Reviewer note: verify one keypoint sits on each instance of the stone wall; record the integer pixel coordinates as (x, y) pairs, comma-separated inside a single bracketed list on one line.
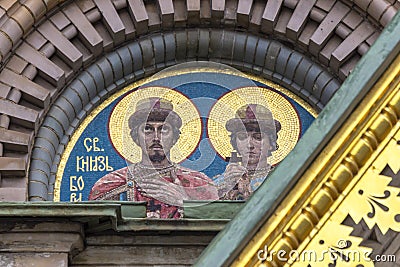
[(60, 59), (45, 45)]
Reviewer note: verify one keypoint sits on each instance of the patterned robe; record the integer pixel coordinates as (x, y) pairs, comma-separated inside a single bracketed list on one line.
[(121, 185)]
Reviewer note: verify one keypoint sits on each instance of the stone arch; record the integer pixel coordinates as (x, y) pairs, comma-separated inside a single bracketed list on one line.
[(123, 66), (45, 45)]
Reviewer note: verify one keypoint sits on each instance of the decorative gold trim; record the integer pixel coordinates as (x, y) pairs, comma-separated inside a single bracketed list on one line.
[(329, 179), (370, 198), (282, 110)]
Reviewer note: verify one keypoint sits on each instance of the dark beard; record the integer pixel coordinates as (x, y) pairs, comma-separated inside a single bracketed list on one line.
[(157, 157)]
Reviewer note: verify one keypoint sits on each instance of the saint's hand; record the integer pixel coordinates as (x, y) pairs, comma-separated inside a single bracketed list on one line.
[(172, 193), (233, 173)]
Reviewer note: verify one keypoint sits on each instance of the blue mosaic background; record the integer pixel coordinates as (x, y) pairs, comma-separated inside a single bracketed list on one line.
[(196, 86)]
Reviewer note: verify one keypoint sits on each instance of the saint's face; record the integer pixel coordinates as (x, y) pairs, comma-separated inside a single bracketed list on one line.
[(156, 139), (253, 146)]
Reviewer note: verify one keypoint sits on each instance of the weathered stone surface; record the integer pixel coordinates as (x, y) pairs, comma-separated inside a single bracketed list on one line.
[(140, 239), (24, 18), (216, 44), (4, 90), (116, 65), (7, 5), (5, 46), (166, 8), (19, 114), (17, 64), (308, 31), (180, 13), (282, 22), (136, 255), (126, 59), (89, 34), (12, 166), (12, 194), (327, 26), (282, 60), (261, 51), (299, 18), (204, 42), (36, 40), (217, 8), (130, 30), (294, 61), (256, 17), (180, 39), (50, 71), (32, 243), (70, 54), (139, 15), (34, 259), (227, 43), (205, 11), (155, 17), (38, 9), (388, 15), (272, 54), (193, 11), (108, 43), (147, 53), (347, 47), (159, 50), (325, 4), (112, 21), (230, 12), (60, 20), (32, 91), (14, 140), (326, 53), (352, 19), (329, 91), (12, 30), (243, 12)]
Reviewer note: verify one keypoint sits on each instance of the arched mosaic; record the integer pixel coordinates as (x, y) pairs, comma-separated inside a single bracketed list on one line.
[(40, 61), (100, 146), (62, 60)]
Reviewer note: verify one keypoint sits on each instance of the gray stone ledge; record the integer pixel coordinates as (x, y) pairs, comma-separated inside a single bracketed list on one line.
[(136, 53), (321, 82), (107, 72), (116, 65), (126, 59), (37, 190), (59, 115), (74, 98), (44, 143), (81, 90), (42, 154), (87, 80), (329, 91), (251, 48), (293, 63)]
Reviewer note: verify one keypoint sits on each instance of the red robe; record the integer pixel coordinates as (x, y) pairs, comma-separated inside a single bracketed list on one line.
[(117, 186)]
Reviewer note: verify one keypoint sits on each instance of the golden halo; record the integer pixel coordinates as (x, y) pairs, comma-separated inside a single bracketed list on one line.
[(120, 133), (282, 110)]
